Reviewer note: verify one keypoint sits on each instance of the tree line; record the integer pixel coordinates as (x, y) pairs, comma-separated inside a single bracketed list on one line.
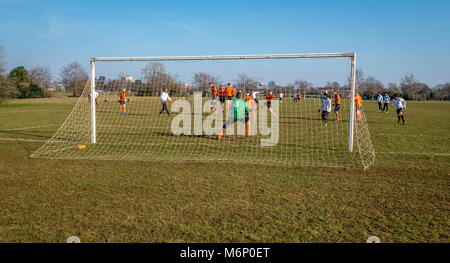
[(37, 82)]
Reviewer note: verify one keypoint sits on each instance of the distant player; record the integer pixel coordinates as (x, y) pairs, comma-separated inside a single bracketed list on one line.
[(325, 108), (269, 99), (380, 101), (400, 105), (240, 112), (164, 98), (281, 96), (358, 106), (214, 93), (255, 98), (251, 104), (386, 100), (122, 101), (230, 92), (298, 96), (337, 104), (95, 97), (222, 96)]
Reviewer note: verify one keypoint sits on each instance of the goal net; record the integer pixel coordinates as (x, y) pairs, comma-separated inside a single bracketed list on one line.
[(123, 112)]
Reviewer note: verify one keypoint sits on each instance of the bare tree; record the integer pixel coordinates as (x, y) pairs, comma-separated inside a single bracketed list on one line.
[(74, 77), (202, 80), (2, 63), (245, 82), (359, 79), (370, 87), (42, 78), (7, 89), (156, 79), (152, 71)]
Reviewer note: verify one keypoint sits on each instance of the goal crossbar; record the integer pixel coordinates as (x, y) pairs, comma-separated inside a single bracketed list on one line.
[(226, 57)]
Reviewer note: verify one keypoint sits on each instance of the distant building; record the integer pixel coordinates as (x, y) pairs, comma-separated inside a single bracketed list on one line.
[(129, 79), (61, 87)]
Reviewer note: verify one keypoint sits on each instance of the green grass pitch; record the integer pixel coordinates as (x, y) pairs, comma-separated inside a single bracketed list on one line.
[(402, 198)]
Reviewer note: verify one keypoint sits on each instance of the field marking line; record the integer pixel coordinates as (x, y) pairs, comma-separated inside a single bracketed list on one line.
[(24, 111), (24, 140), (29, 128), (419, 153)]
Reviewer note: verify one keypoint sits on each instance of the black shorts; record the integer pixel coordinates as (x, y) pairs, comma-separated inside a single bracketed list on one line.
[(324, 114), (399, 111), (337, 107), (269, 104), (122, 102), (222, 99), (229, 98)]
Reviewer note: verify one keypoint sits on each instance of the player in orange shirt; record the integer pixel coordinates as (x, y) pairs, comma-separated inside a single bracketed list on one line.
[(214, 93), (122, 101), (337, 104), (229, 92), (251, 104), (222, 96), (298, 96), (358, 105), (269, 99)]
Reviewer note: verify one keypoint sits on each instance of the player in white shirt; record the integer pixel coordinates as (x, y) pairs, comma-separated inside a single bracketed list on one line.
[(164, 98), (281, 96), (325, 108), (95, 97), (386, 100), (255, 98), (380, 101), (400, 105)]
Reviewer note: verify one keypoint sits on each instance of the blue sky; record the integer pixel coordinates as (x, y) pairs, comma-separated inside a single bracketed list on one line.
[(391, 37)]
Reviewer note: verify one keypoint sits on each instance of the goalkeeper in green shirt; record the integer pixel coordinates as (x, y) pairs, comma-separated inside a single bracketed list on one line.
[(240, 113)]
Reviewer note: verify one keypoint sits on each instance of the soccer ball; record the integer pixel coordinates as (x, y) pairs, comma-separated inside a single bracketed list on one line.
[(261, 84)]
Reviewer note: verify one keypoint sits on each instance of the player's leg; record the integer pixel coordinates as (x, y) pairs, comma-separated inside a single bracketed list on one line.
[(358, 113), (247, 125), (324, 117), (229, 122), (162, 109), (166, 108), (336, 111)]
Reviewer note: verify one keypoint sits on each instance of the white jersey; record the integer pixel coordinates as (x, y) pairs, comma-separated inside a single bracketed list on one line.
[(326, 105), (164, 97), (254, 94), (380, 98), (95, 95), (386, 99), (281, 95), (400, 103)]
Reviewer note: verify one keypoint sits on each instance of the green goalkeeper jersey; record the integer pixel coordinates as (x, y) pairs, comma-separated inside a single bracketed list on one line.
[(239, 108)]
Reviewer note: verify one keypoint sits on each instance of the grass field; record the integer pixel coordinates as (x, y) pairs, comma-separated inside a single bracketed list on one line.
[(404, 197)]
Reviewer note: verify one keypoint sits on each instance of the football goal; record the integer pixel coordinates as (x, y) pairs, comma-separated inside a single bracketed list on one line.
[(290, 109)]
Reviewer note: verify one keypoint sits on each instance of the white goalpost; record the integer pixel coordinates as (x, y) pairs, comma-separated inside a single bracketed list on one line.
[(141, 132)]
